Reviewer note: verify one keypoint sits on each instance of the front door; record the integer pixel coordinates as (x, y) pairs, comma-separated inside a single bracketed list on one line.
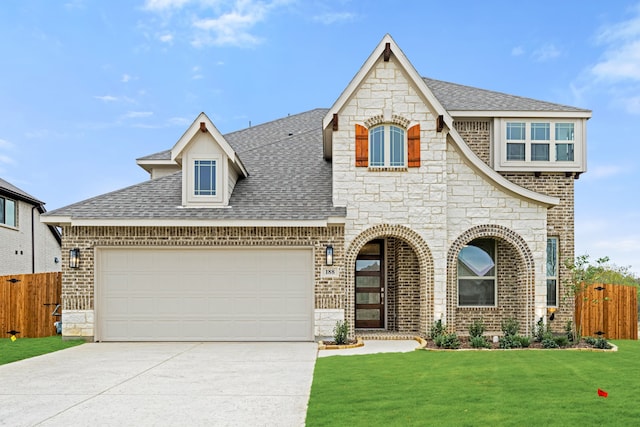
[(370, 285)]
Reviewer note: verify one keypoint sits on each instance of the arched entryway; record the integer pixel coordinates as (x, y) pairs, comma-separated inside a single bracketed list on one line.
[(389, 281), (492, 279)]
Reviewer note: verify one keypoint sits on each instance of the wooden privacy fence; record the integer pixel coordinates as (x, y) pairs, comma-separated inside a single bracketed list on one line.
[(26, 304), (610, 311)]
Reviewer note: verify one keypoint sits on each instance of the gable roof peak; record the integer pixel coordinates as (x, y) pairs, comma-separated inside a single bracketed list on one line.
[(203, 123)]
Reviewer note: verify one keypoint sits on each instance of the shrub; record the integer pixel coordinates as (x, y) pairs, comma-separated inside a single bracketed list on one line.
[(477, 328), (561, 340), (449, 341), (539, 329), (340, 332), (480, 342), (510, 341), (602, 343), (524, 341), (590, 340), (568, 328), (549, 343), (510, 327), (437, 329)]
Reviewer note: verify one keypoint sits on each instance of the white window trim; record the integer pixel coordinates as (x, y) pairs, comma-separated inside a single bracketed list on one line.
[(204, 200), (15, 213), (556, 277), (579, 147), (494, 277), (387, 146)]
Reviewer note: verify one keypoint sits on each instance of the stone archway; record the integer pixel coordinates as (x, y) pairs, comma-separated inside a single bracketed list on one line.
[(418, 247), (521, 280)]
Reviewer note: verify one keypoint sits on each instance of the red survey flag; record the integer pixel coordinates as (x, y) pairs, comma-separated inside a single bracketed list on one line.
[(602, 393)]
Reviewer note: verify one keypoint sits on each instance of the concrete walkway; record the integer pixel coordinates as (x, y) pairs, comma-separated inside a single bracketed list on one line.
[(168, 384)]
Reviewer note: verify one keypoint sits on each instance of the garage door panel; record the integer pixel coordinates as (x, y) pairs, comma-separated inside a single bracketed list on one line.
[(204, 294)]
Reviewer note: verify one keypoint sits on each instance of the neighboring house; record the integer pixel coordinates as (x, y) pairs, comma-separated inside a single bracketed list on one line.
[(26, 245), (408, 201)]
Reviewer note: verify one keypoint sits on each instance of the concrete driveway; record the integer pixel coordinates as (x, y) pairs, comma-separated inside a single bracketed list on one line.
[(169, 384)]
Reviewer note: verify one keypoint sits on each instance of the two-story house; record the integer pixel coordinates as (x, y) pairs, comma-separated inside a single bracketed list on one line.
[(26, 245), (408, 201)]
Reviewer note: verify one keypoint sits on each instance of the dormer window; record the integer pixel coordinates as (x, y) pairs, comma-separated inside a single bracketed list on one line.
[(205, 178), (205, 183)]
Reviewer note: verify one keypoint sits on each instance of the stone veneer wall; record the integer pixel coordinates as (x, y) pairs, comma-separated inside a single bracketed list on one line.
[(78, 284)]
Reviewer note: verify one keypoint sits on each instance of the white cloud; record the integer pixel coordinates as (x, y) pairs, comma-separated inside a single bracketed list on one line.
[(517, 51), (5, 159), (107, 98), (335, 17), (5, 144), (231, 28), (621, 62), (161, 5), (166, 38), (179, 121), (197, 74), (111, 98), (605, 171), (45, 134), (210, 22), (137, 114), (546, 53), (125, 78), (617, 72)]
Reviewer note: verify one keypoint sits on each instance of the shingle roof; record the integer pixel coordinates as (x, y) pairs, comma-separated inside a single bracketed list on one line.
[(456, 97), (288, 180), (288, 177), (10, 189)]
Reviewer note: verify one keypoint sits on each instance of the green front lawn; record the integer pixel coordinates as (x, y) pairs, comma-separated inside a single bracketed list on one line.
[(23, 348), (478, 388)]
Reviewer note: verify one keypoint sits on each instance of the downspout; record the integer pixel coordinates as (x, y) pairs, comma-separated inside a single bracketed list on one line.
[(33, 242)]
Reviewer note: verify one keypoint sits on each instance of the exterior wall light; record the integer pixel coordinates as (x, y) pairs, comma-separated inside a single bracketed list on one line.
[(329, 255), (74, 258)]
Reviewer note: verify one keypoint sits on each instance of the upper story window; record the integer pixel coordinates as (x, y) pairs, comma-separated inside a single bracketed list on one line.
[(387, 146), (7, 212), (540, 141), (205, 178), (540, 145)]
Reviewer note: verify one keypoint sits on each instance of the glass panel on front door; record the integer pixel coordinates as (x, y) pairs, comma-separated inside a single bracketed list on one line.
[(369, 277)]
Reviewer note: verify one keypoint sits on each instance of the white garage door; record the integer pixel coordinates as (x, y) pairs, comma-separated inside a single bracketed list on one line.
[(204, 294)]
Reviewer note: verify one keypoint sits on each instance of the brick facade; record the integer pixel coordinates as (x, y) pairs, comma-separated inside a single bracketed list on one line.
[(560, 218), (78, 284), (425, 213)]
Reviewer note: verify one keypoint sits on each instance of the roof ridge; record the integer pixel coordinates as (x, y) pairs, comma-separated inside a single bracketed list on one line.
[(277, 141), (275, 120)]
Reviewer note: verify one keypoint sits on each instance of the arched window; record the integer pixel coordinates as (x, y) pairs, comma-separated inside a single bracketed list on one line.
[(477, 274), (387, 146)]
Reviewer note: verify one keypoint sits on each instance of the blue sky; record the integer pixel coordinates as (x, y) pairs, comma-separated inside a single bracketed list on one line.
[(87, 87)]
